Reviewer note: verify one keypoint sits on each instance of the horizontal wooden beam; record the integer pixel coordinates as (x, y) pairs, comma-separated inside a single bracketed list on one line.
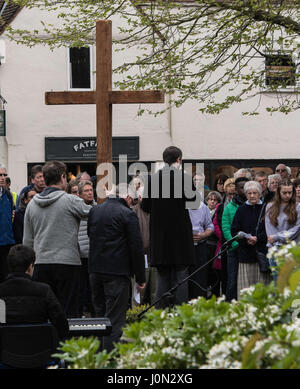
[(114, 97), (136, 97), (57, 98)]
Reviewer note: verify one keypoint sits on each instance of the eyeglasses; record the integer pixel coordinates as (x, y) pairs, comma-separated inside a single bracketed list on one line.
[(280, 170), (3, 174)]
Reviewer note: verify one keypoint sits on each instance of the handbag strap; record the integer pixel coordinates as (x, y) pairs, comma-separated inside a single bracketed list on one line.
[(259, 217)]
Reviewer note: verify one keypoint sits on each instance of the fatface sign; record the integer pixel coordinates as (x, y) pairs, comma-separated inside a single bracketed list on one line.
[(85, 148)]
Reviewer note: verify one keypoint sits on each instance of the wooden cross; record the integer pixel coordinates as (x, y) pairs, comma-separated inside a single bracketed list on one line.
[(104, 96)]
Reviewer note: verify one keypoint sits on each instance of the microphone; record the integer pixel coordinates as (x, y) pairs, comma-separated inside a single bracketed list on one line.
[(242, 234), (239, 235)]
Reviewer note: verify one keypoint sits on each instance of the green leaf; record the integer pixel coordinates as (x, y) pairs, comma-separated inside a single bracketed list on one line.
[(294, 280), (284, 275)]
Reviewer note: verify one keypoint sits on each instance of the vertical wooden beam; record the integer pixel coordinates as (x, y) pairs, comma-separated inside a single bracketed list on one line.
[(103, 86)]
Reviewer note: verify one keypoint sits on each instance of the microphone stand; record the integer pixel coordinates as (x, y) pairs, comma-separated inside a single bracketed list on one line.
[(169, 293)]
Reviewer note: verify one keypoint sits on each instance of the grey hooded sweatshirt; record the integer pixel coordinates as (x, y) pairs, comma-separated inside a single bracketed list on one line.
[(51, 226)]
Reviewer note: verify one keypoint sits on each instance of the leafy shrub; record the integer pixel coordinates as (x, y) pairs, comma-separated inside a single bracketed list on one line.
[(132, 314), (259, 331)]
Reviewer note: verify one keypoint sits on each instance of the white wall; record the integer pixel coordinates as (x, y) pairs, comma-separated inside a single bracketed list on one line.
[(24, 79), (28, 73)]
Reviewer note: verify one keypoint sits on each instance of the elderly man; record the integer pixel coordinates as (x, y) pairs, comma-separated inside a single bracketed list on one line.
[(51, 227), (243, 172), (283, 170), (262, 178), (84, 176), (116, 254), (6, 231)]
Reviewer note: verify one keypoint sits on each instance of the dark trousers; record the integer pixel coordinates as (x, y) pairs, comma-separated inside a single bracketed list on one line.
[(65, 283), (232, 273), (111, 292), (224, 273), (199, 281), (4, 250), (167, 277), (148, 294), (214, 276), (85, 305)]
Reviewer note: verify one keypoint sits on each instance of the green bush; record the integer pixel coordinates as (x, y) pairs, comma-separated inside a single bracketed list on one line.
[(132, 314), (259, 331)]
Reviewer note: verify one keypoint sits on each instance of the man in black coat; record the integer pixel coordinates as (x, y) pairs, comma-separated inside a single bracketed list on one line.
[(28, 301), (171, 236), (116, 254)]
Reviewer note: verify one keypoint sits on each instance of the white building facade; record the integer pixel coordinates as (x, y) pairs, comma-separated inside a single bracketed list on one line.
[(227, 139)]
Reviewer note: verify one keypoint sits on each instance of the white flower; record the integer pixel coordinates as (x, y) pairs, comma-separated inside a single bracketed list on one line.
[(83, 353), (286, 292), (249, 290), (258, 345), (193, 301), (296, 343), (220, 299), (161, 341), (276, 352), (296, 42)]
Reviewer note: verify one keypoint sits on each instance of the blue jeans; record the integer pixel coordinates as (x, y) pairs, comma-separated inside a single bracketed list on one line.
[(232, 272)]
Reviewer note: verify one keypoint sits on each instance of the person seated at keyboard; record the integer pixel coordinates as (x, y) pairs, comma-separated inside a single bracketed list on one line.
[(28, 301)]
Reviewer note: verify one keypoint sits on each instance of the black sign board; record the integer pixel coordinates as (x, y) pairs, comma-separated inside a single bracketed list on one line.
[(80, 149), (2, 123)]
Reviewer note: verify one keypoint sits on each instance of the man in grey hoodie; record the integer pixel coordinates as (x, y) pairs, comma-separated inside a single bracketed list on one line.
[(51, 228)]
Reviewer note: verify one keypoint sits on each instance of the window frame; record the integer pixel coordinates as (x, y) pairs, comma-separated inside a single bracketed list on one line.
[(288, 88), (91, 71)]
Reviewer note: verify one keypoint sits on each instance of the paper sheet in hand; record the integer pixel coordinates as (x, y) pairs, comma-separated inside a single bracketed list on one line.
[(137, 295)]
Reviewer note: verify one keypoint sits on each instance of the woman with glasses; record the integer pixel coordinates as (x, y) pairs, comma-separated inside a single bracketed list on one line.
[(219, 184), (273, 182)]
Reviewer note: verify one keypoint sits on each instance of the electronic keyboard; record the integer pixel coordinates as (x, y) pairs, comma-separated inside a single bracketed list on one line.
[(89, 326)]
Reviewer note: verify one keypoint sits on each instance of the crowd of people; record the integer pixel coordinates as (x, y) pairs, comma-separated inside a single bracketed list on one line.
[(95, 258)]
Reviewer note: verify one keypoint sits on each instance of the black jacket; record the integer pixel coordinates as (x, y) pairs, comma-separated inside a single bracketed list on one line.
[(28, 301), (245, 220), (268, 196), (116, 246), (18, 225), (171, 233)]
